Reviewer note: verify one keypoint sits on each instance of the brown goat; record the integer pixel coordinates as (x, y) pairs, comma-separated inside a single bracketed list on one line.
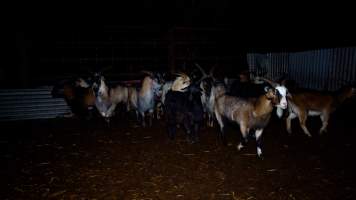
[(314, 103), (78, 95), (252, 113), (108, 98)]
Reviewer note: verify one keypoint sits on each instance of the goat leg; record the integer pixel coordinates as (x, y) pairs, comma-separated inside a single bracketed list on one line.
[(188, 128), (110, 111), (107, 120), (258, 134), (221, 124), (150, 117), (143, 121), (158, 110), (211, 119), (244, 135), (289, 122), (137, 114), (172, 129), (302, 121), (196, 131), (324, 119)]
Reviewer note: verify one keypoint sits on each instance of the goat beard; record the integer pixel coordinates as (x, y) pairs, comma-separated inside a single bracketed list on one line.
[(279, 112)]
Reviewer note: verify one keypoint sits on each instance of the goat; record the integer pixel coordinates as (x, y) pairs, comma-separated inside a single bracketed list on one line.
[(183, 106), (179, 84), (160, 105), (206, 87), (315, 103), (217, 89), (165, 88), (108, 98), (132, 99), (146, 96), (249, 113), (78, 95), (207, 82), (141, 100)]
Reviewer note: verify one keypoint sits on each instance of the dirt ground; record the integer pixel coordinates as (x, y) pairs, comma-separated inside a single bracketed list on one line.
[(78, 159)]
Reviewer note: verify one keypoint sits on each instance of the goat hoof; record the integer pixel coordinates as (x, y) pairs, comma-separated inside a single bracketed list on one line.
[(189, 139), (239, 147), (192, 142), (260, 157), (195, 140), (289, 132), (107, 120)]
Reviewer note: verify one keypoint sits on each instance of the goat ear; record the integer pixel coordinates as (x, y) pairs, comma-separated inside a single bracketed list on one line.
[(267, 88), (289, 95), (269, 92)]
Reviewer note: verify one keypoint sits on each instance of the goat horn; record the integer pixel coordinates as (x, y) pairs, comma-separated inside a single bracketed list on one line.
[(204, 73), (211, 73), (272, 83), (202, 78), (180, 74), (147, 72), (201, 69)]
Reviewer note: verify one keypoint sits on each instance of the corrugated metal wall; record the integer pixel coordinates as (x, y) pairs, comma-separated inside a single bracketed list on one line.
[(21, 104), (324, 69)]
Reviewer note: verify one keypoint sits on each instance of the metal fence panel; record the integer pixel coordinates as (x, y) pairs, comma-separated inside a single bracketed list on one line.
[(22, 104), (323, 69)]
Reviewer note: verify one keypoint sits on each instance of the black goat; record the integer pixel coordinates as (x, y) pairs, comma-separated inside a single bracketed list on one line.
[(184, 108)]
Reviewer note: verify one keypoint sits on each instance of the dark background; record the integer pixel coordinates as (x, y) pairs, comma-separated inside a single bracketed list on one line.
[(49, 42)]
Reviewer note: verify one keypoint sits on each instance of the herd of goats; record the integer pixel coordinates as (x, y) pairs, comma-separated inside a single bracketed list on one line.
[(188, 100)]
